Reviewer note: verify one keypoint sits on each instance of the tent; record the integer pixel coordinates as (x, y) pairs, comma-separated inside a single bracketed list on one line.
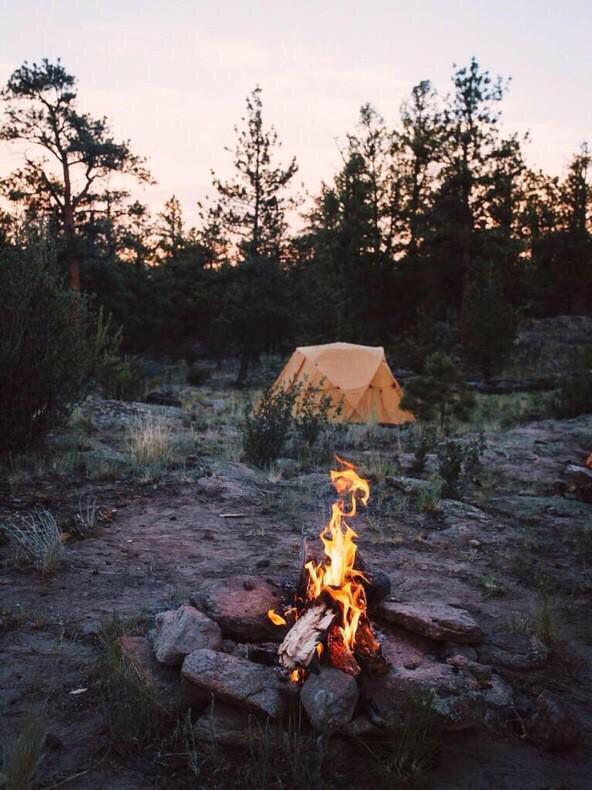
[(357, 376)]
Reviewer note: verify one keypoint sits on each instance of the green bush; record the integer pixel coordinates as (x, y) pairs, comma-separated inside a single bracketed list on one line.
[(575, 395), (315, 411), (197, 375), (457, 460), (119, 377), (45, 354), (423, 442), (267, 425), (439, 393)]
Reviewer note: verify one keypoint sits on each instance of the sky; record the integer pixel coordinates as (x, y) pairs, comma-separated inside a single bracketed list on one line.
[(173, 76)]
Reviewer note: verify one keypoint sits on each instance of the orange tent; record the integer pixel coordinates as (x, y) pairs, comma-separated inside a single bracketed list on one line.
[(356, 376)]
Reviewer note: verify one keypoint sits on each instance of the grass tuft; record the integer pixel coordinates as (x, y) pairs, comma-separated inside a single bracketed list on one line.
[(20, 756), (37, 537)]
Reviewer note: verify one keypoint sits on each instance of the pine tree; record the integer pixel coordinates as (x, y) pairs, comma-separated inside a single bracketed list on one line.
[(439, 392), (488, 321), (40, 110)]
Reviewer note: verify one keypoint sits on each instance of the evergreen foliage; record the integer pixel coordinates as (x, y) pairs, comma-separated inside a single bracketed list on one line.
[(439, 392), (45, 351)]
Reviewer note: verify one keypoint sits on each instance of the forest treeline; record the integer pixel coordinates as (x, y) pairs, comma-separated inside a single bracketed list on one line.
[(437, 218)]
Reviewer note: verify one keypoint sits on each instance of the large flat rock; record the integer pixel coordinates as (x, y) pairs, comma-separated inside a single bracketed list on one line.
[(236, 681), (434, 620), (239, 604), (416, 676)]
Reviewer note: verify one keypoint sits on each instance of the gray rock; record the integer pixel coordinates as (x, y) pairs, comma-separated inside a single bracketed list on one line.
[(554, 725), (240, 604), (223, 725), (514, 651), (499, 699), (235, 681), (415, 676), (329, 698), (180, 631), (435, 620)]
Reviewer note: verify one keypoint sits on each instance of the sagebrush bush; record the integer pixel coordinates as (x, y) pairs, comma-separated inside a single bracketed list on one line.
[(457, 459), (266, 426), (45, 352)]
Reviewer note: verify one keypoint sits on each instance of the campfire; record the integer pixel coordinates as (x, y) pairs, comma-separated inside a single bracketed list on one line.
[(330, 612)]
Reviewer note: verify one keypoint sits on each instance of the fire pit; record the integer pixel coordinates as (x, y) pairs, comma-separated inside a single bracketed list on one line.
[(330, 612), (329, 642)]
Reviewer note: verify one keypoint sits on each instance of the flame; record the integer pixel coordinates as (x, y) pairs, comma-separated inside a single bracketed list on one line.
[(336, 575), (275, 618)]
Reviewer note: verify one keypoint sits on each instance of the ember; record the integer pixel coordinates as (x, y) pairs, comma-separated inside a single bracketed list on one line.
[(333, 607)]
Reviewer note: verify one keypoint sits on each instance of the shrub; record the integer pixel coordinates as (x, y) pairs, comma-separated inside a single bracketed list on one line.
[(197, 375), (119, 377), (423, 442), (439, 392), (429, 497), (457, 460), (267, 425), (575, 394), (37, 535), (45, 354), (315, 411)]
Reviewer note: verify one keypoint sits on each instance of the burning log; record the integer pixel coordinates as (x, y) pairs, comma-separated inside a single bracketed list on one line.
[(340, 656), (300, 644), (368, 651)]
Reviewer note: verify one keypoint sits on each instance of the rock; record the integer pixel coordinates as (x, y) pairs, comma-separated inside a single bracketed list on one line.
[(223, 725), (499, 701), (452, 649), (554, 725), (180, 631), (514, 651), (415, 676), (329, 698), (162, 398), (435, 620), (361, 726), (138, 650), (240, 604), (480, 672), (235, 681)]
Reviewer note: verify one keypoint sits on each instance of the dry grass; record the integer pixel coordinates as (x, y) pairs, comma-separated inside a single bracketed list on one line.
[(150, 444), (36, 537), (21, 755)]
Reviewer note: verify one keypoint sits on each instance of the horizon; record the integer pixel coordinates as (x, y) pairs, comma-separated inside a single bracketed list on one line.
[(155, 78)]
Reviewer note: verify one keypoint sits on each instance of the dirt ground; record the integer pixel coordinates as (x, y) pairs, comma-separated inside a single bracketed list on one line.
[(487, 552)]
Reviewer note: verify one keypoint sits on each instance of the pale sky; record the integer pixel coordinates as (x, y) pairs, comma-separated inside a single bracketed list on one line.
[(173, 76)]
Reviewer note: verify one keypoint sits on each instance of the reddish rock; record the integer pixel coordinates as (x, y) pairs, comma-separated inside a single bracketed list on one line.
[(240, 604), (329, 698), (554, 725), (180, 631), (437, 621), (236, 681), (414, 676)]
